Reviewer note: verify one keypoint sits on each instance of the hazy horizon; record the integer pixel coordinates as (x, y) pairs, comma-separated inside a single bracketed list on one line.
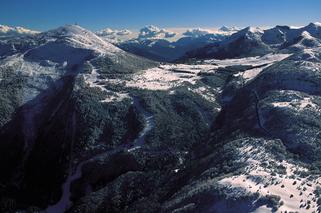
[(125, 14)]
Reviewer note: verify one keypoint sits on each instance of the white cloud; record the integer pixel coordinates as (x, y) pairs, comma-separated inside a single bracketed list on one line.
[(124, 32), (154, 32), (10, 31), (110, 32), (229, 29), (196, 32)]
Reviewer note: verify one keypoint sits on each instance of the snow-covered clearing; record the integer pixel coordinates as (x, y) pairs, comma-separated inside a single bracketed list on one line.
[(164, 77), (168, 76), (254, 61), (92, 78)]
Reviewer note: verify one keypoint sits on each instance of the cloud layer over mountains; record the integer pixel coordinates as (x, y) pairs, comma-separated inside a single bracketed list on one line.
[(196, 32), (150, 32), (111, 32)]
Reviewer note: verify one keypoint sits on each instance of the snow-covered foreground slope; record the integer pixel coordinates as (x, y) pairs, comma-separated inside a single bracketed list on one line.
[(266, 175)]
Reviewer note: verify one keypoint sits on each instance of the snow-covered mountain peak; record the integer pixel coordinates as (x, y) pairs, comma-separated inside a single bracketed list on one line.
[(255, 30), (317, 24), (248, 32), (72, 31), (82, 38), (306, 35), (308, 41), (69, 29), (224, 28), (313, 26)]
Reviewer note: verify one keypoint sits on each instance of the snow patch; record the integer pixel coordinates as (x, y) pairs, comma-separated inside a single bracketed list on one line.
[(297, 104), (206, 92)]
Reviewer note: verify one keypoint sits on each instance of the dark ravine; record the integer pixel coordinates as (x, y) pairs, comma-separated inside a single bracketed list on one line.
[(148, 126), (65, 203)]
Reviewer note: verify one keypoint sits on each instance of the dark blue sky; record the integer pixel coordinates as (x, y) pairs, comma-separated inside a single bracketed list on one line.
[(97, 14)]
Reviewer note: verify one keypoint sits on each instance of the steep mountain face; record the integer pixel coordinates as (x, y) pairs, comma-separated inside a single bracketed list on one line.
[(305, 42), (88, 127), (314, 29), (277, 35), (246, 42)]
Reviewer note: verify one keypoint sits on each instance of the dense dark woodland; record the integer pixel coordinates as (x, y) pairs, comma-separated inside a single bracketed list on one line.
[(64, 149)]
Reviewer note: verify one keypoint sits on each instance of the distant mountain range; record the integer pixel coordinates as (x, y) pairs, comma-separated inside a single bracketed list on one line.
[(161, 44), (161, 49), (255, 42), (223, 43)]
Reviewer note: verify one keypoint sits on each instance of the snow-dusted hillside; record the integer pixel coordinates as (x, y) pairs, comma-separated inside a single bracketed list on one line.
[(79, 37)]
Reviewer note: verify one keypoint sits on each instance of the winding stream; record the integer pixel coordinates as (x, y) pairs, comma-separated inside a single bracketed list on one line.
[(64, 203)]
